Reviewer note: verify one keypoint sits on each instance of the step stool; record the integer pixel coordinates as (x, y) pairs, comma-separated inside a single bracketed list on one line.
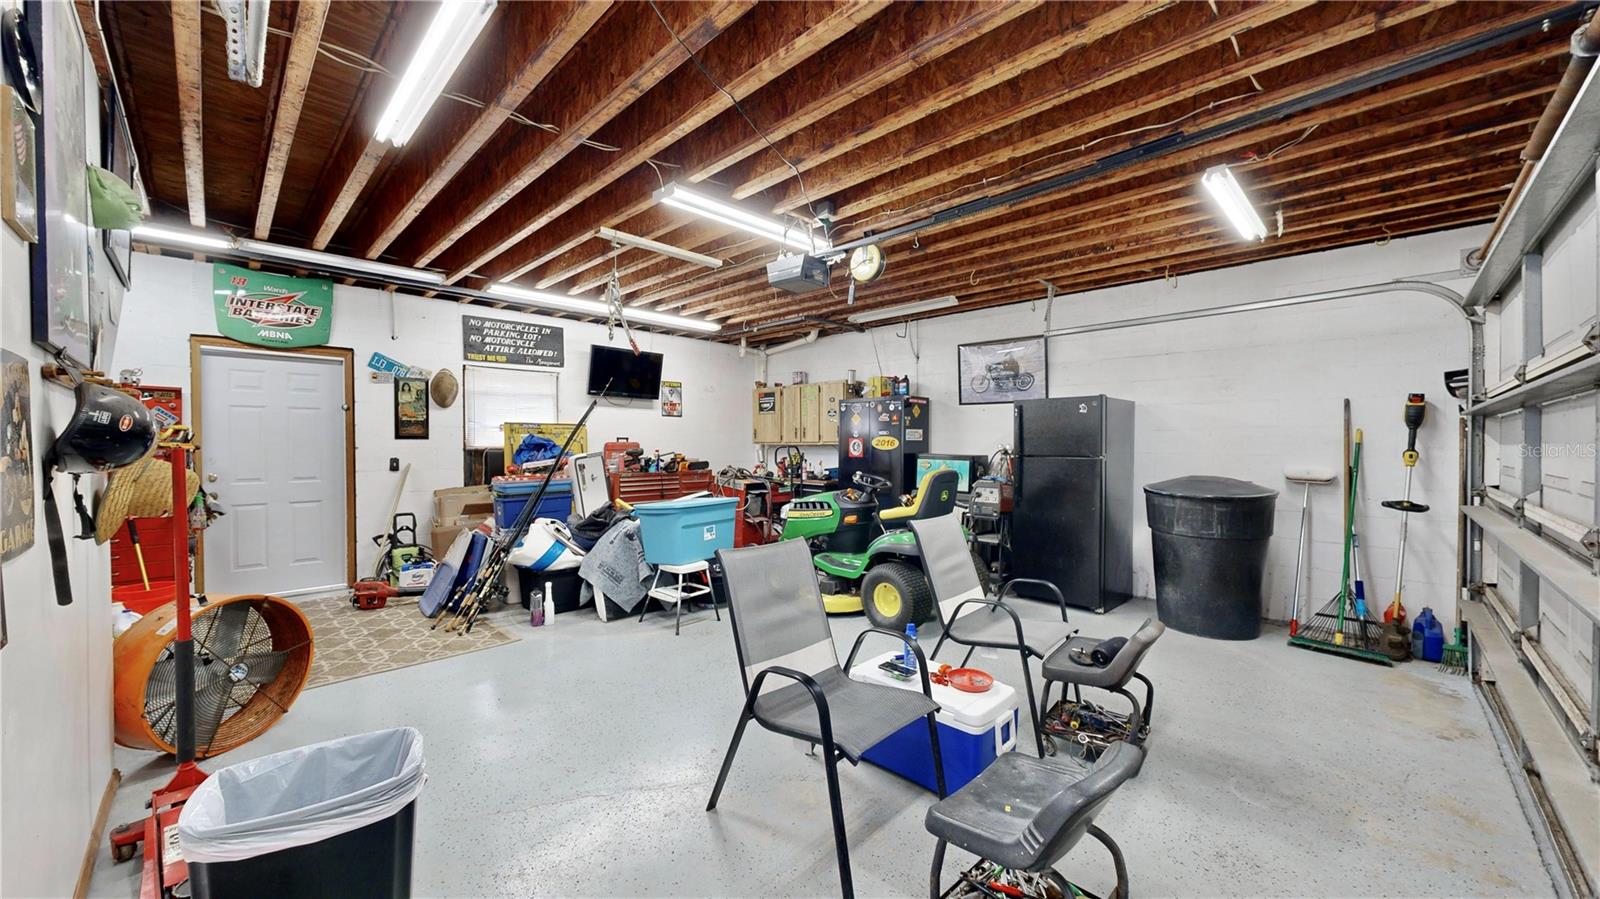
[(680, 592)]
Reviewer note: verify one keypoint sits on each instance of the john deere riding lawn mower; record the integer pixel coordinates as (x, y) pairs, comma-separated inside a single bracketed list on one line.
[(865, 555)]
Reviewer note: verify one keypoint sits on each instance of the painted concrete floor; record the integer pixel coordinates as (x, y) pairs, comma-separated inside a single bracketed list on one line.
[(577, 762)]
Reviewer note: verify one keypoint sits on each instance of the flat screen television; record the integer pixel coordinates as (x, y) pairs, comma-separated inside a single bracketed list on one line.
[(632, 377), (967, 468)]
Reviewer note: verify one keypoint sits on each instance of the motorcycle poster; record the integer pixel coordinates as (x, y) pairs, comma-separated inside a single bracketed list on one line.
[(1002, 371)]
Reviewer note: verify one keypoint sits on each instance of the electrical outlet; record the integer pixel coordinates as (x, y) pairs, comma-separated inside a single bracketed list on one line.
[(394, 463)]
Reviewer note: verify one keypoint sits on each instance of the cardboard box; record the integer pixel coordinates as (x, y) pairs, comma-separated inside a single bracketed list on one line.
[(451, 503)]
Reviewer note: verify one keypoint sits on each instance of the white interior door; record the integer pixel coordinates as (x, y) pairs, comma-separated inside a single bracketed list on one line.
[(273, 438)]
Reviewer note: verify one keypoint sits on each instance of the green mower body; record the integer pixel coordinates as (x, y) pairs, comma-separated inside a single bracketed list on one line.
[(863, 562)]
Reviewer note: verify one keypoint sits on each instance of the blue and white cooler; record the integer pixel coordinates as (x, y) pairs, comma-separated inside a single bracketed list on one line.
[(974, 729)]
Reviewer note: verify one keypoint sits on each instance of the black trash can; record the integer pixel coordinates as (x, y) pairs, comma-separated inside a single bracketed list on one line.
[(330, 820), (1209, 536)]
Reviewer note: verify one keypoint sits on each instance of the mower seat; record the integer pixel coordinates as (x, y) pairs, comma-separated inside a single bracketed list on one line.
[(935, 496)]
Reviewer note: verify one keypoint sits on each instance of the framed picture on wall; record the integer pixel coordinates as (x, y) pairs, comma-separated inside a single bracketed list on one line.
[(19, 197), (411, 408), (1002, 371), (117, 157)]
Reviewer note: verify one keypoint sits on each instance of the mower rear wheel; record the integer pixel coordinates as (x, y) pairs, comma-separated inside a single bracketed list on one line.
[(895, 594)]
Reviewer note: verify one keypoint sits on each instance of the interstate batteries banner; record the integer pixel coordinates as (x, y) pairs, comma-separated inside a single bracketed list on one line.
[(272, 310)]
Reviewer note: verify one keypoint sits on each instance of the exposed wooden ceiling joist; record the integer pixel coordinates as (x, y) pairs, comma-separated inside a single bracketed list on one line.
[(296, 77), (890, 110), (186, 57)]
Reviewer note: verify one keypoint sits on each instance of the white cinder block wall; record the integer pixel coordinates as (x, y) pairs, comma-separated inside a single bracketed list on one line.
[(171, 299), (1241, 396)]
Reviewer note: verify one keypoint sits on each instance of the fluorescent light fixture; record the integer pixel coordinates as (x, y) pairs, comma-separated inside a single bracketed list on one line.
[(878, 315), (317, 258), (450, 35), (656, 246), (794, 235), (596, 308), (1235, 205), (180, 237)]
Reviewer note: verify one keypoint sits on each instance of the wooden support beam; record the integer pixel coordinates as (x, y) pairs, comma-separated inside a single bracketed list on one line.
[(1089, 57), (1142, 258), (1349, 124), (894, 43), (311, 15), (526, 44), (354, 156), (759, 47), (1339, 42), (578, 98), (186, 55), (1122, 238)]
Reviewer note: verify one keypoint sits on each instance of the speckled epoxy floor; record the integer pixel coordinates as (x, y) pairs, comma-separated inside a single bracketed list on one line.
[(578, 760)]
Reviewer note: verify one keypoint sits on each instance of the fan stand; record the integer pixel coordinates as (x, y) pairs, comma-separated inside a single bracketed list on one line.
[(165, 871)]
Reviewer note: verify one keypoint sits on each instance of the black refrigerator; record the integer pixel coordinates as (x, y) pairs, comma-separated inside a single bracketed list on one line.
[(1072, 524), (883, 436)]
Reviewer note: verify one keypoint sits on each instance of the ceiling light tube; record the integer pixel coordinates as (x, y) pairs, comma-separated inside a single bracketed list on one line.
[(452, 32), (597, 308), (180, 237), (1235, 204), (877, 315), (272, 251), (656, 246), (795, 236)]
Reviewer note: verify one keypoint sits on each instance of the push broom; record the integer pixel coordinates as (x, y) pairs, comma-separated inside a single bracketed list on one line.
[(1339, 627)]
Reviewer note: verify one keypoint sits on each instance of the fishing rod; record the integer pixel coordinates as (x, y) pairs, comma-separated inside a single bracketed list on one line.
[(488, 579)]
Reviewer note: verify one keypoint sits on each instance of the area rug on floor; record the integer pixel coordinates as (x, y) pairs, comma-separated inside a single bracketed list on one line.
[(351, 643)]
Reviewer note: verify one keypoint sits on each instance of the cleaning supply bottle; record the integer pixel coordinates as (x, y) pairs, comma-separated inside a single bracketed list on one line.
[(1427, 637), (908, 658)]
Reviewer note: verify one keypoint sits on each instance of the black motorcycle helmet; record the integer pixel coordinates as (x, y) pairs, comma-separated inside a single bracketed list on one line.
[(109, 429)]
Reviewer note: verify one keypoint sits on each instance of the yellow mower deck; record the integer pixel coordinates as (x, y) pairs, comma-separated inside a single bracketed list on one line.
[(841, 603)]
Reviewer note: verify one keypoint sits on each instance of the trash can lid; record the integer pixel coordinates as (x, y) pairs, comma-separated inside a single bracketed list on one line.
[(1210, 487)]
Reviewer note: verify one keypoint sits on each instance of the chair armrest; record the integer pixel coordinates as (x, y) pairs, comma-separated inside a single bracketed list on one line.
[(1017, 622), (824, 721), (922, 662), (1060, 600)]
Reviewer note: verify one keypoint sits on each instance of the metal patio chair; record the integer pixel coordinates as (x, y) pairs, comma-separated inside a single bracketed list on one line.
[(1024, 813), (781, 631), (971, 618)]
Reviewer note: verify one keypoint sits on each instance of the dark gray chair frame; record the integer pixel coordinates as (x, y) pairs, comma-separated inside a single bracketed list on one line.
[(1141, 715), (1020, 644), (1045, 834), (831, 753)]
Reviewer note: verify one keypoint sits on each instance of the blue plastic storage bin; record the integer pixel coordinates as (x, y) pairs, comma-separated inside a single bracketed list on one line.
[(680, 531), (974, 729), (511, 496)]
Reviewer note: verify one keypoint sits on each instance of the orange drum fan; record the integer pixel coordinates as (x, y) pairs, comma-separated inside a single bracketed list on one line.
[(251, 657)]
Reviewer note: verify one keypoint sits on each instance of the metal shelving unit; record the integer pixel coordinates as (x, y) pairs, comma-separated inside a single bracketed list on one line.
[(1533, 700)]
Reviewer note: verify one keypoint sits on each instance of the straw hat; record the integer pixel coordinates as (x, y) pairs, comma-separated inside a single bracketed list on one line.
[(444, 388), (142, 490)]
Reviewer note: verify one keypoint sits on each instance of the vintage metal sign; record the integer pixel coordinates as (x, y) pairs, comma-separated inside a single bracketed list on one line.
[(511, 342), (272, 310)]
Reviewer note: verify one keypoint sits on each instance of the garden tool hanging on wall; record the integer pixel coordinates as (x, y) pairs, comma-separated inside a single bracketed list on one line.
[(1416, 411)]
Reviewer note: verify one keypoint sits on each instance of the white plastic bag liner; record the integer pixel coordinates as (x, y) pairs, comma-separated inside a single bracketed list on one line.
[(301, 796), (547, 546)]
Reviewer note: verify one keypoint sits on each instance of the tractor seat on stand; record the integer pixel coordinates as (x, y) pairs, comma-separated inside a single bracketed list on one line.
[(935, 496)]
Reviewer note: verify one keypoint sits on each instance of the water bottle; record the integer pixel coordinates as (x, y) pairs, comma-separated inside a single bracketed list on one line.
[(909, 657)]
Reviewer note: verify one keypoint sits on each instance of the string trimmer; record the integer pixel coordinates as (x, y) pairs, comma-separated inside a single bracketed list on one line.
[(1416, 411)]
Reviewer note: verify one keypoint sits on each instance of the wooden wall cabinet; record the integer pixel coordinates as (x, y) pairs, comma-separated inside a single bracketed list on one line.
[(801, 414)]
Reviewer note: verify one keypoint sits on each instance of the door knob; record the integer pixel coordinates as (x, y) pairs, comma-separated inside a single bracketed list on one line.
[(211, 478)]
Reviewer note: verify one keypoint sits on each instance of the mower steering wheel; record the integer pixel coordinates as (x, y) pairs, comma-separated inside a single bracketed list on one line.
[(872, 482)]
